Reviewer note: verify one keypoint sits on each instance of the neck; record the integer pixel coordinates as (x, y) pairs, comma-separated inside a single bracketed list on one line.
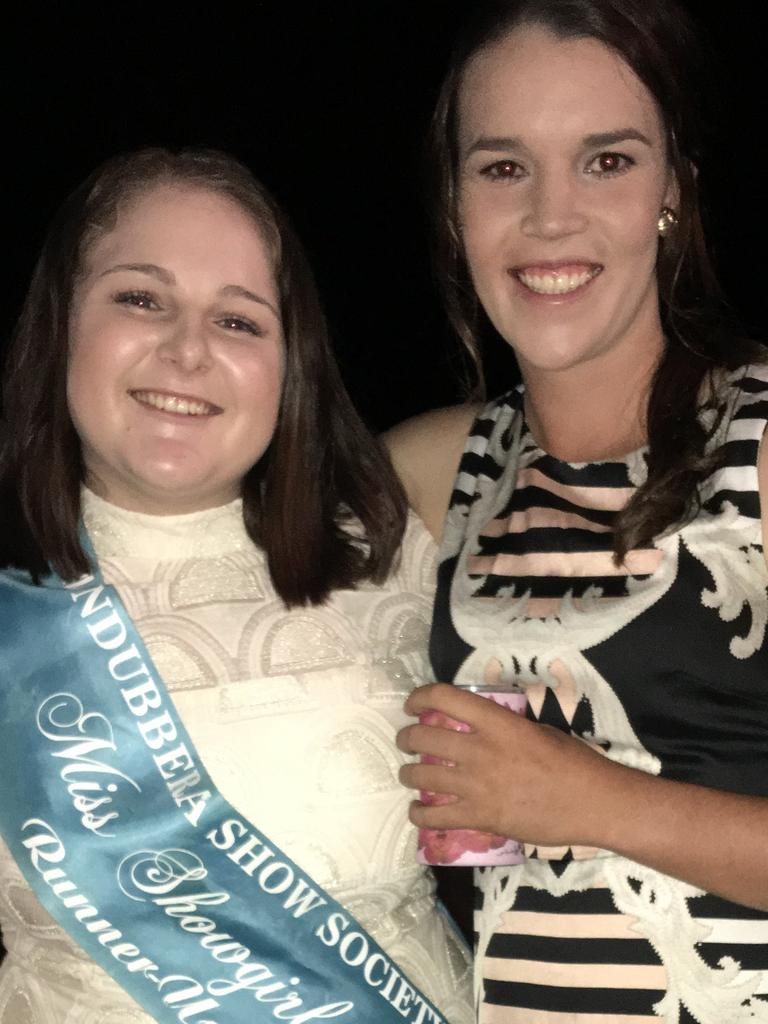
[(587, 414), (156, 502)]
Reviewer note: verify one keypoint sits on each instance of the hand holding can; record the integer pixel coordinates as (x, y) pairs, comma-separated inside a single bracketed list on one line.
[(462, 847)]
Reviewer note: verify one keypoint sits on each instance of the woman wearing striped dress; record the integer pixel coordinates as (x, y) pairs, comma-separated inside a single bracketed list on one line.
[(603, 543)]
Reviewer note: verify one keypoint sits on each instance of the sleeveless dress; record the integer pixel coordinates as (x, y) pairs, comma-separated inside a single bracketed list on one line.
[(294, 715), (662, 663)]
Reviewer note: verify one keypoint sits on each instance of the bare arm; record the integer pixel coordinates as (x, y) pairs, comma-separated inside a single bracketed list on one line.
[(519, 778), (425, 452), (526, 780)]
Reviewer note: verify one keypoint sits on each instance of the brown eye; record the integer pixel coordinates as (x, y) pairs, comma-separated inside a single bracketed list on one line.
[(501, 170), (609, 164), (239, 323), (139, 299)]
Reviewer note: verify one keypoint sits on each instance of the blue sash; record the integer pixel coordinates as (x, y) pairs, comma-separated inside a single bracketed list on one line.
[(126, 841)]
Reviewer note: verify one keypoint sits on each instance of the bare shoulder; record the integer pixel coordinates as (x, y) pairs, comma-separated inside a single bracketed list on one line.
[(425, 452)]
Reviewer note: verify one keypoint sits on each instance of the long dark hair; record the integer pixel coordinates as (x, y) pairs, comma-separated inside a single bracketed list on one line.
[(656, 39), (322, 467)]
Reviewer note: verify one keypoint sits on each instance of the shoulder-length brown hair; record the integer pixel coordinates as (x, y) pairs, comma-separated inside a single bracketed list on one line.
[(656, 40), (322, 467)]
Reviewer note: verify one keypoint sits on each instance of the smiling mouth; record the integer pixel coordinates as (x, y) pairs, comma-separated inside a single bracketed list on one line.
[(182, 405), (556, 280)]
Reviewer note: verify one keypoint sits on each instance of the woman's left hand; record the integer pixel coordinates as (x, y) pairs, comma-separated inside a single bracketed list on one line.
[(507, 775)]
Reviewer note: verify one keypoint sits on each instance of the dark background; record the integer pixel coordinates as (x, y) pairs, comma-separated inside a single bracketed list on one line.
[(328, 104)]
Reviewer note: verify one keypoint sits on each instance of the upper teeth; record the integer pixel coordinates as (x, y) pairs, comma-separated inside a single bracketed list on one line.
[(170, 403), (555, 283)]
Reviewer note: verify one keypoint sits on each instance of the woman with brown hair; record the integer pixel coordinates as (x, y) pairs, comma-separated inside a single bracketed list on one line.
[(206, 631), (603, 541)]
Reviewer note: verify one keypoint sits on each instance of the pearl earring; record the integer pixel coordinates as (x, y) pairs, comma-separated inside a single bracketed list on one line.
[(667, 221)]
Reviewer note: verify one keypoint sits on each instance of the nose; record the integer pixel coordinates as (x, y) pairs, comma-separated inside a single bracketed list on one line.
[(554, 210), (186, 346)]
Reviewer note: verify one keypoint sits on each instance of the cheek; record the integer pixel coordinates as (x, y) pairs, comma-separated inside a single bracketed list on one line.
[(259, 380), (634, 217), (637, 240), (83, 378), (86, 402), (486, 226), (91, 349), (485, 265), (481, 221), (99, 357), (260, 389)]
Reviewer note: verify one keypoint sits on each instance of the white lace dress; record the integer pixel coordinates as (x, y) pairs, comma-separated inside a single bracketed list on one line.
[(294, 715)]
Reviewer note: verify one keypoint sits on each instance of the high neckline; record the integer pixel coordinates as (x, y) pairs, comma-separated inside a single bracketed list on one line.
[(118, 532)]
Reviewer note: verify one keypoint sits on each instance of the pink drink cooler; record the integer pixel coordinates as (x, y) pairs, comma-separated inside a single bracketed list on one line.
[(463, 847)]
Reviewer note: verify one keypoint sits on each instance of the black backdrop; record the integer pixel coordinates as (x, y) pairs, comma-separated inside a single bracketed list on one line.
[(328, 104)]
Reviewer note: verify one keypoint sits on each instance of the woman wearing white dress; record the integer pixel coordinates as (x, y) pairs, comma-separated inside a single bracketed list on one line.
[(171, 386)]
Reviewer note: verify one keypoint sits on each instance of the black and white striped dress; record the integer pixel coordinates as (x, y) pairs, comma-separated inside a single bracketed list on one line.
[(663, 662)]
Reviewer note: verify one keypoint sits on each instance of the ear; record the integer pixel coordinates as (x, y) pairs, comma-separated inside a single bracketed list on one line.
[(672, 195)]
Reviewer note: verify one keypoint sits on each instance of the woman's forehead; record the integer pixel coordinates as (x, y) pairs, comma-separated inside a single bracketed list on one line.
[(535, 83)]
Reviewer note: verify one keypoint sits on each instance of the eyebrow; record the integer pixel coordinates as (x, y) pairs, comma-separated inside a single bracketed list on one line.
[(143, 268), (168, 278), (611, 138), (497, 143), (243, 293)]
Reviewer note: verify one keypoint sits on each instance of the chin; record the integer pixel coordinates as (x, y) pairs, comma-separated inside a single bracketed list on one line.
[(552, 361)]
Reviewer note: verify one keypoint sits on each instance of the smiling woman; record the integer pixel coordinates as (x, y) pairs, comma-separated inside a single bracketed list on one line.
[(198, 525), (559, 229), (176, 365), (603, 530), (71, 362)]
